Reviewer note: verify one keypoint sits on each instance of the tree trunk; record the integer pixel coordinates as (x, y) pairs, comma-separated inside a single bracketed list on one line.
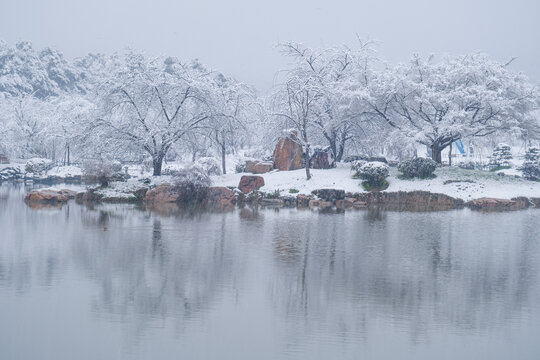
[(223, 158), (450, 155), (68, 156), (157, 162), (308, 174), (436, 153), (341, 150)]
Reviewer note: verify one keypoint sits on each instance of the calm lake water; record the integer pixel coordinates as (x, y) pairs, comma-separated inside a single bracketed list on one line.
[(121, 282)]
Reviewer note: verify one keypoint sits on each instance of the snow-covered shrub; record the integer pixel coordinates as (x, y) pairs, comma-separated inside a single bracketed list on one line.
[(240, 167), (191, 184), (356, 165), (209, 165), (38, 165), (532, 154), (374, 173), (501, 156), (417, 168), (531, 165), (531, 170), (103, 171)]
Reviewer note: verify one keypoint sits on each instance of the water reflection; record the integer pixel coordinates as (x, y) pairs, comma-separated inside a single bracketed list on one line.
[(325, 281)]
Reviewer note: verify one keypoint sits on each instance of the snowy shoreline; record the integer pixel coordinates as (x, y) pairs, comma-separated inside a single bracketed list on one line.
[(455, 182)]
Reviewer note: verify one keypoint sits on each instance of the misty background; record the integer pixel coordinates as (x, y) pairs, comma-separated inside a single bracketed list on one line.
[(239, 37)]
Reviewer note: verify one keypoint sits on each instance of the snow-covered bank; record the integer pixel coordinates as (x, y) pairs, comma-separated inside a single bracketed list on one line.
[(452, 181)]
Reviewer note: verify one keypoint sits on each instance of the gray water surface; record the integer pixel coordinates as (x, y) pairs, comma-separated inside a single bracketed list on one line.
[(122, 282)]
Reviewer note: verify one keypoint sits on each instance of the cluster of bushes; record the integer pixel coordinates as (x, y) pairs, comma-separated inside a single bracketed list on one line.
[(38, 166), (417, 168), (191, 184), (103, 172)]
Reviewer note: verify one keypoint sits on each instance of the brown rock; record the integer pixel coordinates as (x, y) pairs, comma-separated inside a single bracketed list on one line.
[(344, 203), (323, 159), (271, 202), (88, 195), (303, 200), (47, 196), (248, 183), (219, 195), (325, 204), (288, 153), (410, 200), (263, 167), (161, 194), (359, 204), (250, 165), (4, 159), (259, 167), (492, 204), (313, 203)]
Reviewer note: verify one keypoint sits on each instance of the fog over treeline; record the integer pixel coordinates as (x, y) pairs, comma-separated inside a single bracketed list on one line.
[(133, 107)]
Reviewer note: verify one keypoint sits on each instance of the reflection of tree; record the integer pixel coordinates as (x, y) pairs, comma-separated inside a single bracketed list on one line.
[(412, 270), (151, 268)]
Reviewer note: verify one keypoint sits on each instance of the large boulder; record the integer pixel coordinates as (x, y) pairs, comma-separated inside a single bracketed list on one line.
[(49, 196), (219, 195), (323, 158), (162, 194), (288, 153), (259, 167), (493, 204), (248, 183), (408, 200), (4, 159), (303, 200)]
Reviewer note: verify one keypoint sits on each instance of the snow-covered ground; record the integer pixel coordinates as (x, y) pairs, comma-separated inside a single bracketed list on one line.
[(467, 185)]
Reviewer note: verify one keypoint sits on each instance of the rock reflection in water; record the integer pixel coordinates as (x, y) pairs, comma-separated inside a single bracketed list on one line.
[(296, 283)]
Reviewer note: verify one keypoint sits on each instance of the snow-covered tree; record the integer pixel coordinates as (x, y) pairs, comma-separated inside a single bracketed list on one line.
[(297, 104), (25, 71), (233, 106), (501, 155), (436, 104), (151, 104), (341, 74)]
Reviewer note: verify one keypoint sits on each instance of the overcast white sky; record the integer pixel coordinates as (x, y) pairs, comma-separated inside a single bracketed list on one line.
[(238, 37)]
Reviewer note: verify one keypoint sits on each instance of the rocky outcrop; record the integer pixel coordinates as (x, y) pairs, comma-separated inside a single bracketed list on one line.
[(89, 195), (410, 201), (271, 202), (248, 183), (162, 194), (49, 196), (219, 195), (493, 204), (288, 153), (303, 200), (323, 159), (321, 204), (259, 167)]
